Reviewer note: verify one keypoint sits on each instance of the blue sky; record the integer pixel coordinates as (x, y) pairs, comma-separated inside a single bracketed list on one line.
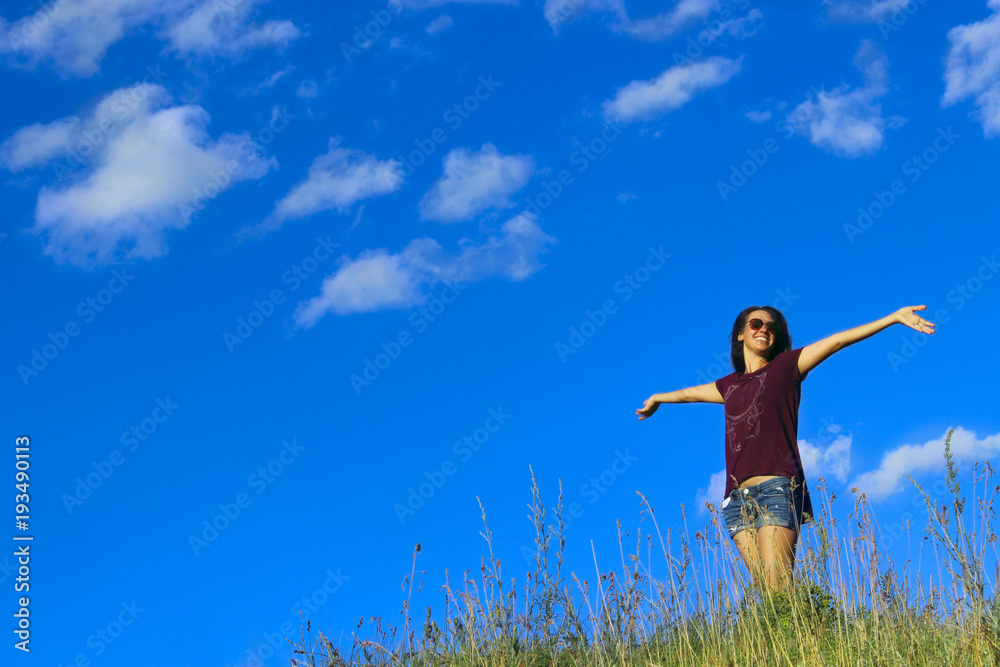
[(285, 297)]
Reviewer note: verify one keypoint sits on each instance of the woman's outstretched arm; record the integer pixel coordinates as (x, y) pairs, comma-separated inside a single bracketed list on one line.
[(703, 393), (813, 355)]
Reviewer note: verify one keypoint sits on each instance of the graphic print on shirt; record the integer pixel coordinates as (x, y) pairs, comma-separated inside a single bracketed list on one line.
[(750, 415)]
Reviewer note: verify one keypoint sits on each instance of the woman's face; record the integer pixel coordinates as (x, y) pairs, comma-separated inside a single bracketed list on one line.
[(760, 340)]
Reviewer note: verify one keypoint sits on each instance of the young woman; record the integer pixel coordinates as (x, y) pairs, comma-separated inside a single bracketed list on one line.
[(767, 500)]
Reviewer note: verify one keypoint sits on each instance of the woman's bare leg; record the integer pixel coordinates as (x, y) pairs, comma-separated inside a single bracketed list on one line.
[(746, 542), (776, 550)]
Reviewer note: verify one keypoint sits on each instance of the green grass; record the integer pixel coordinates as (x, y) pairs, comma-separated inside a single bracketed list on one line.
[(849, 604)]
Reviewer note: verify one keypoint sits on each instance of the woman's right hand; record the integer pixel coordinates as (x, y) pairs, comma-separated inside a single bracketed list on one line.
[(648, 408)]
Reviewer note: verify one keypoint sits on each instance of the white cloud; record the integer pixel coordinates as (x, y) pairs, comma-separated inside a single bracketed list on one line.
[(474, 182), (378, 280), (80, 140), (890, 476), (669, 22), (678, 17), (848, 121), (972, 68), (374, 280), (675, 87), (270, 81), (742, 27), (758, 116), (221, 27), (714, 493), (424, 4), (308, 88), (74, 35), (38, 144), (558, 12), (146, 167), (337, 180), (867, 11), (665, 24), (834, 459), (442, 22)]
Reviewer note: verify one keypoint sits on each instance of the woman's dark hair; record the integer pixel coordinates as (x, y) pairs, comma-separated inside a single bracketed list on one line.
[(782, 339)]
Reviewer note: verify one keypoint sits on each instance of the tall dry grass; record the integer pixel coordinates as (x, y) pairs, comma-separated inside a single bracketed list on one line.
[(849, 604)]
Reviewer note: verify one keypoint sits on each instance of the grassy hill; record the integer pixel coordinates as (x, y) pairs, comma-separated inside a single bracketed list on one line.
[(849, 604)]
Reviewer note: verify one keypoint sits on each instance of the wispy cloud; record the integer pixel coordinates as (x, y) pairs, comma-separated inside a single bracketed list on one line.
[(425, 4), (713, 493), (144, 162), (439, 24), (864, 11), (664, 24), (744, 26), (308, 89), (379, 280), (668, 23), (848, 121), (74, 35), (758, 116), (675, 87), (832, 460), (223, 28), (890, 476), (474, 182), (972, 68), (39, 144), (336, 180), (558, 12), (270, 81)]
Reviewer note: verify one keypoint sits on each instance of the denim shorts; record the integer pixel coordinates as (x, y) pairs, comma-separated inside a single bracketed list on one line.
[(769, 503)]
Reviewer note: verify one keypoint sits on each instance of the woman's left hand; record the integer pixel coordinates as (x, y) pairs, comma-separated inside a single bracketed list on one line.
[(909, 318)]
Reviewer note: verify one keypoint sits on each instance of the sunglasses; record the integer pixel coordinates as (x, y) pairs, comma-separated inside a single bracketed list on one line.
[(756, 323)]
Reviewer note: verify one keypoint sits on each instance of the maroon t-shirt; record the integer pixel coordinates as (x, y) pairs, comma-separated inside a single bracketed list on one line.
[(762, 422)]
